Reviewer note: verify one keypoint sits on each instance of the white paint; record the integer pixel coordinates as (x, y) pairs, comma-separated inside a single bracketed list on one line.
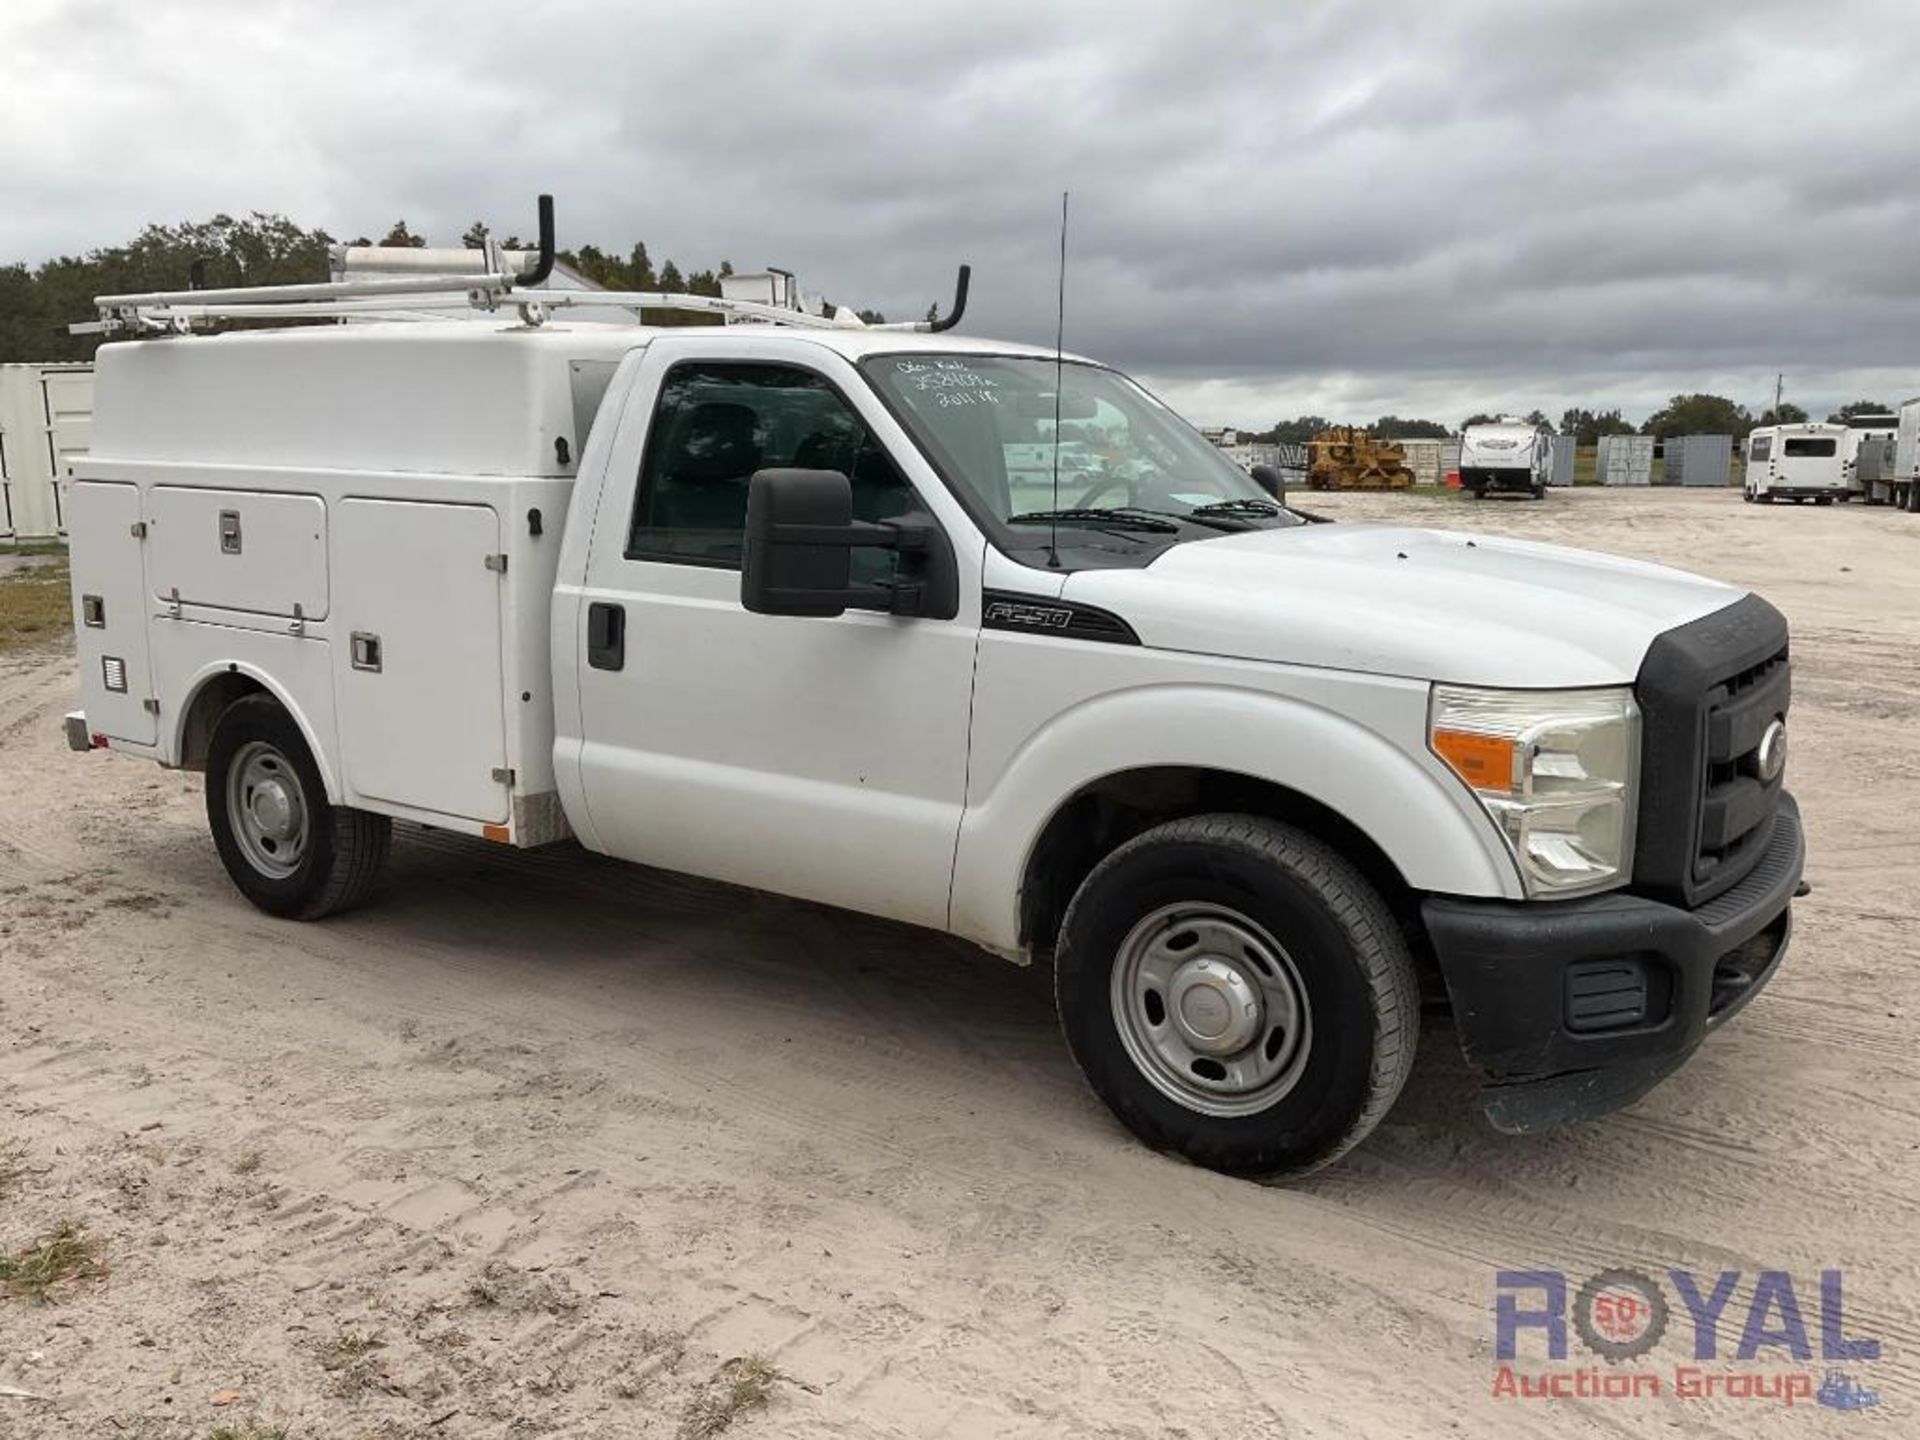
[(904, 767), (1771, 470)]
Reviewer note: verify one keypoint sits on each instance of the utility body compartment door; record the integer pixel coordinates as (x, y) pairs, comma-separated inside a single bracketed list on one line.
[(248, 550), (416, 656), (111, 610)]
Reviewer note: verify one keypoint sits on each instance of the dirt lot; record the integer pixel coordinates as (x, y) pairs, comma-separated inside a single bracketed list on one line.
[(540, 1144)]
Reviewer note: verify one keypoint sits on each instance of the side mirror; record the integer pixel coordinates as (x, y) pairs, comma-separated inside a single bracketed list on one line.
[(798, 559), (1268, 479)]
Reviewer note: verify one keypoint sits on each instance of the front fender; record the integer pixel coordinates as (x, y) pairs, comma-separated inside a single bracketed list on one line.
[(1404, 800)]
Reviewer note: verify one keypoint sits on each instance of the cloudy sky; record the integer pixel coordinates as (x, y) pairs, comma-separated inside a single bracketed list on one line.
[(1421, 208)]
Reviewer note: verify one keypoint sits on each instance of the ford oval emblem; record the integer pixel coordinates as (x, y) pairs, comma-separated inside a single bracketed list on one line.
[(1771, 757)]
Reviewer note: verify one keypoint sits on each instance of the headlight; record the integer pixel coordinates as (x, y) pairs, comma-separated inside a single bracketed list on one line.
[(1558, 770)]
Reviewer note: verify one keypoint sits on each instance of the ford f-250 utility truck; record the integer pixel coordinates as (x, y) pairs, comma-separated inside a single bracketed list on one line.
[(763, 602)]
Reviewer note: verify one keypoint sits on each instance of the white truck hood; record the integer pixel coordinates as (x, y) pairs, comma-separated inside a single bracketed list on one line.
[(1387, 599)]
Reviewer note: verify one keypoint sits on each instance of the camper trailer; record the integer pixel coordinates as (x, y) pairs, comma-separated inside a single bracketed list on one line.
[(1508, 455), (1811, 461)]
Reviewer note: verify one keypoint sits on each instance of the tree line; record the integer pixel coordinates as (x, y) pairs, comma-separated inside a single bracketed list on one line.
[(38, 302), (1682, 415)]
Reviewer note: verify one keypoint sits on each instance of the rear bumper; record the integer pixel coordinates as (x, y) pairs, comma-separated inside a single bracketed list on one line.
[(1476, 477), (1575, 1008)]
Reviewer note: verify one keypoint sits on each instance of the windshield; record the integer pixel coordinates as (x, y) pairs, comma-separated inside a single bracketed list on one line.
[(988, 422)]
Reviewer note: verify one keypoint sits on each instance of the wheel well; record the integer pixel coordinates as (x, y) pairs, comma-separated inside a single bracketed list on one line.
[(1112, 810), (209, 703)]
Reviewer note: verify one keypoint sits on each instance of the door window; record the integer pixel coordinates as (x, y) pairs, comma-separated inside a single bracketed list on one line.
[(715, 424)]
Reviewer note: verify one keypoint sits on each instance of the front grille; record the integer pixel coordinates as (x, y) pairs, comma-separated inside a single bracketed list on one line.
[(1707, 692)]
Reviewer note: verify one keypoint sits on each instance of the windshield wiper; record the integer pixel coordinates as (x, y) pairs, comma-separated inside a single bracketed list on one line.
[(1267, 508), (1121, 517)]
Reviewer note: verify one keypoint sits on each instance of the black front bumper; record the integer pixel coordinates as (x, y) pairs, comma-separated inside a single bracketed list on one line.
[(1577, 1007)]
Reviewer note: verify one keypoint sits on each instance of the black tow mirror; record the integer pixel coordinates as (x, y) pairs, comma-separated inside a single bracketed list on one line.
[(1268, 479), (800, 539)]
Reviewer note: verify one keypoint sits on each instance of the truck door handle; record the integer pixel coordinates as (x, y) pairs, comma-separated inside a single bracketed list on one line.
[(606, 635)]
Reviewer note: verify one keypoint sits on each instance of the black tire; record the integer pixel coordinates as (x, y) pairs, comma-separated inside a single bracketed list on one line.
[(1361, 995), (1823, 499), (1539, 492), (341, 852), (1747, 495)]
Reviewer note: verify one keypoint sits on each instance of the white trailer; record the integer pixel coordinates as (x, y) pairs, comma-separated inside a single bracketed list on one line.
[(1906, 453), (759, 603), (1508, 456), (46, 414), (1808, 461)]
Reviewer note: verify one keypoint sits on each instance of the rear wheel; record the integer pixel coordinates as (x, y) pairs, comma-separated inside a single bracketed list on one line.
[(1236, 992), (289, 850)]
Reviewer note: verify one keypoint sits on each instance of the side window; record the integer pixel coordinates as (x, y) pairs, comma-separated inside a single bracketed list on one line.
[(715, 424), (1762, 447)]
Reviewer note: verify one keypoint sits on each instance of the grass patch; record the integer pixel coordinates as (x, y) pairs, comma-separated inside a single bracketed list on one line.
[(33, 547), (66, 1255), (741, 1385), (247, 1163), (36, 606), (12, 1165)]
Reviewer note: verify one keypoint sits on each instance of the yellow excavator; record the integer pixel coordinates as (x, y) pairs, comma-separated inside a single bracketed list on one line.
[(1348, 458)]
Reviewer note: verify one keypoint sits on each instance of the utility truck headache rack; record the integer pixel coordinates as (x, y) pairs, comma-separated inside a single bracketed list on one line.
[(436, 297)]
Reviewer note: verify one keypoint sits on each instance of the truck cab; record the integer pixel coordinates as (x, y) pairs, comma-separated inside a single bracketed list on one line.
[(806, 606)]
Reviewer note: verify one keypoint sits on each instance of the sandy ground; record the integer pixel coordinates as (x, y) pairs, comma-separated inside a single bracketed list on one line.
[(539, 1142)]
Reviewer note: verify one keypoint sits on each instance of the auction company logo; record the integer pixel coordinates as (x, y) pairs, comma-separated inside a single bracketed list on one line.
[(1620, 1315)]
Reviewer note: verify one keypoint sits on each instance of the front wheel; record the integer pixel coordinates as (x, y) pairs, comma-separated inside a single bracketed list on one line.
[(288, 849), (1237, 992)]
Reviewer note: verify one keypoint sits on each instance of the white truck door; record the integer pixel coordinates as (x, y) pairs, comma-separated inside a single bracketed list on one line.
[(823, 758)]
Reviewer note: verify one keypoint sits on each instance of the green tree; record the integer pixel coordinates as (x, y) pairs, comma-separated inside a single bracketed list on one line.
[(37, 304), (1857, 407), (403, 238), (1587, 426), (475, 237), (1392, 427), (1297, 431), (671, 282), (1481, 418), (1787, 413), (1699, 415)]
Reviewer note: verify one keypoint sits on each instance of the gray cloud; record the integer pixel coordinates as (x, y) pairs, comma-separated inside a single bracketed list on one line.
[(1343, 208)]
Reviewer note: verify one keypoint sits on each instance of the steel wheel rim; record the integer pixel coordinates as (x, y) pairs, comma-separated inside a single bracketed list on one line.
[(1211, 1009), (267, 809)]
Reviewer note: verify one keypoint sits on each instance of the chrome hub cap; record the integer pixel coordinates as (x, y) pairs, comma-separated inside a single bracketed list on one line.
[(267, 809), (1211, 1009)]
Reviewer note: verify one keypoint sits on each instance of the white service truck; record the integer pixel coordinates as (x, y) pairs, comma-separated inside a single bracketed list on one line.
[(1811, 460), (1508, 455), (760, 602)]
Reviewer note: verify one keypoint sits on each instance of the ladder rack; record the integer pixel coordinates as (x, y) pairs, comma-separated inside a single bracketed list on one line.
[(435, 297)]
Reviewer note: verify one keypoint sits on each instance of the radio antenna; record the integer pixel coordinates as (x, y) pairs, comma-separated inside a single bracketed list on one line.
[(1059, 343)]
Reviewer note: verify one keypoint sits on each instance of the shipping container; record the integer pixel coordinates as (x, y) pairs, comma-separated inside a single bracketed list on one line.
[(1563, 453), (1700, 460), (1423, 458), (46, 419), (1624, 460)]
